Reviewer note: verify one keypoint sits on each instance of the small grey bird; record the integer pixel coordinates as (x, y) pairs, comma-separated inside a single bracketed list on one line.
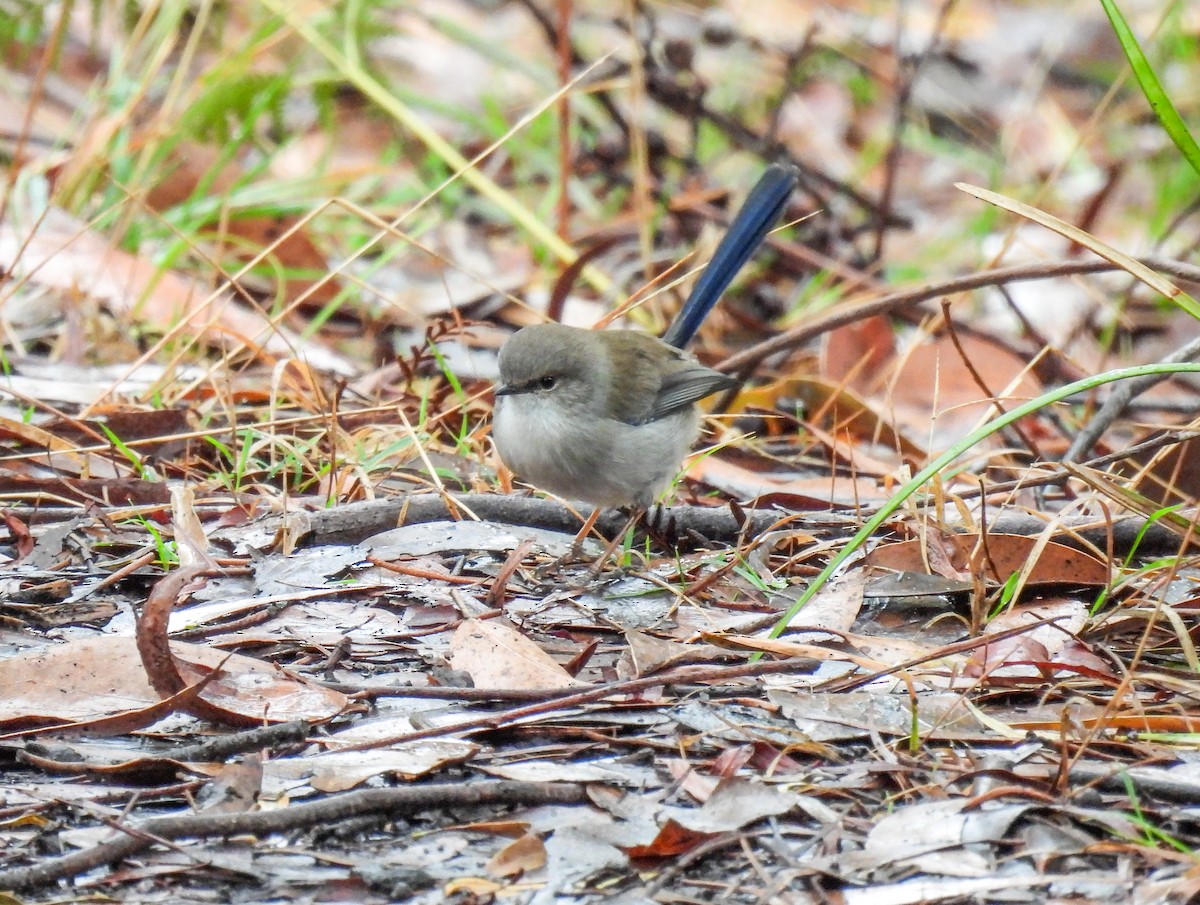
[(606, 417), (603, 417)]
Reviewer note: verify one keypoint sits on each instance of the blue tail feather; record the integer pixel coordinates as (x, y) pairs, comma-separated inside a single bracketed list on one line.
[(758, 214)]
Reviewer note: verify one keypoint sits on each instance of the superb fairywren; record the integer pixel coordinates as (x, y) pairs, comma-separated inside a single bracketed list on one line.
[(607, 416)]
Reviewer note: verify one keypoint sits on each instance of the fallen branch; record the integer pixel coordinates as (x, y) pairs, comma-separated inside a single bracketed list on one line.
[(392, 802), (354, 522)]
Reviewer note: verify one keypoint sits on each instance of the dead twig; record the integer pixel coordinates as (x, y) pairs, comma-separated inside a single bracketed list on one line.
[(746, 360)]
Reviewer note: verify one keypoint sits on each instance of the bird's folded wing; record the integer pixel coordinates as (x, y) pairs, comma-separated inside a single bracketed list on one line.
[(685, 386)]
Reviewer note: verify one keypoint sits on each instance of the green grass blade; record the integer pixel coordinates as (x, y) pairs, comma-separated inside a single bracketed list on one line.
[(1132, 266), (1160, 103), (947, 458)]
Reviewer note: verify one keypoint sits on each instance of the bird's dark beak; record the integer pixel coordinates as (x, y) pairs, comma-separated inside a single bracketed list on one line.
[(506, 389)]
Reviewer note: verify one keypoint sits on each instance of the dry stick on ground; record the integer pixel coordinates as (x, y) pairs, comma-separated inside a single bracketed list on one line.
[(744, 361), (355, 522), (62, 757), (248, 741), (390, 802)]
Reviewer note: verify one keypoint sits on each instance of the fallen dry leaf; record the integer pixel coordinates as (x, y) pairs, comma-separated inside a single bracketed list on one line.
[(496, 656), (94, 677)]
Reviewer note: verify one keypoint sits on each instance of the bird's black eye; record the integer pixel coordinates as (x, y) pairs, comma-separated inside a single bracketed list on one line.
[(547, 382)]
